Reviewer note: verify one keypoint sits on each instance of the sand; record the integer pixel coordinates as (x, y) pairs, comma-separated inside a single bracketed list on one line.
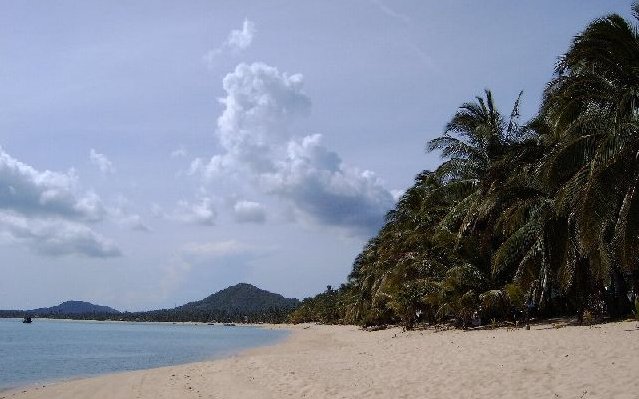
[(344, 362)]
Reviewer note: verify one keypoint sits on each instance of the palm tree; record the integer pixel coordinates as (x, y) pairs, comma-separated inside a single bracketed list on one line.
[(481, 148), (474, 141), (592, 105), (476, 135)]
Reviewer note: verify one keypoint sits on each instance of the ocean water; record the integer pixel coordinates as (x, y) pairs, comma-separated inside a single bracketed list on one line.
[(49, 350)]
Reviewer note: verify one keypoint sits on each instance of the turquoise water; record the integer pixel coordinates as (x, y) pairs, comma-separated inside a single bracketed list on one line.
[(49, 350)]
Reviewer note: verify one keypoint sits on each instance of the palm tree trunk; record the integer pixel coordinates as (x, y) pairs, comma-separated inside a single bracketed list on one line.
[(581, 286), (545, 306), (635, 292), (620, 290)]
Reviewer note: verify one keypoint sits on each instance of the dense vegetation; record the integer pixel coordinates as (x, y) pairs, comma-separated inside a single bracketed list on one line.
[(243, 298), (67, 310), (76, 307), (540, 216), (239, 303)]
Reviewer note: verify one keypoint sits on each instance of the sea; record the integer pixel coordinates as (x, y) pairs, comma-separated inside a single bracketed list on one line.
[(50, 350)]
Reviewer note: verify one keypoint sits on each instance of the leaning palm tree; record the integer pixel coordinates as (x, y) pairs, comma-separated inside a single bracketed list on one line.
[(593, 105), (474, 140), (475, 145), (476, 135), (397, 275), (533, 250)]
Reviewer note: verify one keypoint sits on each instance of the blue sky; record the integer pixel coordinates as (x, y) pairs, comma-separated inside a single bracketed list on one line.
[(154, 152)]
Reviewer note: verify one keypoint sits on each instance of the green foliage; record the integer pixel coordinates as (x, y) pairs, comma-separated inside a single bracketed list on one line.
[(241, 298), (545, 212), (515, 295), (323, 308), (495, 304)]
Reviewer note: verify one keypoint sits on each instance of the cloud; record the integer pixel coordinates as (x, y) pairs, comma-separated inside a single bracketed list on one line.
[(179, 153), (237, 41), (260, 102), (120, 215), (241, 39), (25, 190), (101, 161), (55, 237), (397, 194), (47, 212), (201, 212), (216, 248), (249, 212), (259, 105), (156, 210), (326, 190), (254, 131)]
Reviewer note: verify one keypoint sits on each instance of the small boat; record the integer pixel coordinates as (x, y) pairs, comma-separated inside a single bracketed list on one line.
[(27, 319), (229, 324)]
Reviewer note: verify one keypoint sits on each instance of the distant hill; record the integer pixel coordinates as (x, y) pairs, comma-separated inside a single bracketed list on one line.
[(242, 298), (239, 303), (74, 308)]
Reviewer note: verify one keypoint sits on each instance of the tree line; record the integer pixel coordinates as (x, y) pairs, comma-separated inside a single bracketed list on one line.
[(267, 315), (540, 216)]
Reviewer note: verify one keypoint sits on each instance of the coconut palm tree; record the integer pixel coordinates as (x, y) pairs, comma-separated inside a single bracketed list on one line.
[(592, 105), (473, 143), (400, 260)]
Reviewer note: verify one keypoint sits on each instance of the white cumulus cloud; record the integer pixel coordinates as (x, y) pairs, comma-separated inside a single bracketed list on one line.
[(254, 131), (238, 40), (101, 161), (55, 236), (122, 216), (328, 191), (48, 213), (28, 191), (241, 39), (201, 212), (259, 105)]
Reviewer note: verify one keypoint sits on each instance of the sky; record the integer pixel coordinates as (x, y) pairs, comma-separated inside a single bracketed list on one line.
[(154, 152)]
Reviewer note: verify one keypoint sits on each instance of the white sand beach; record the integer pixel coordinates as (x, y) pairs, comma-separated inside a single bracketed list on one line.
[(344, 362)]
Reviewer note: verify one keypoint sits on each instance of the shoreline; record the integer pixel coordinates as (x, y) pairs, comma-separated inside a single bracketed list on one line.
[(40, 384), (194, 323), (316, 361)]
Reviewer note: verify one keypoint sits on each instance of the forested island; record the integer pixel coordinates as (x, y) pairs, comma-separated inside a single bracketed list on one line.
[(241, 303), (537, 216)]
